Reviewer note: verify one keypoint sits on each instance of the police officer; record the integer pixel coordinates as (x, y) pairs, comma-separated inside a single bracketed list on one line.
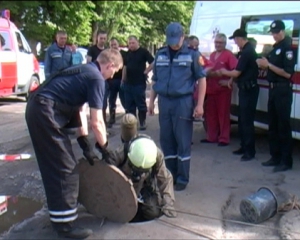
[(58, 55), (280, 64), (246, 73), (143, 162), (51, 109), (175, 72)]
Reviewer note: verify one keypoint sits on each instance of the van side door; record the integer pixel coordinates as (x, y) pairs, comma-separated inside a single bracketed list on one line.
[(258, 28), (25, 67), (8, 62)]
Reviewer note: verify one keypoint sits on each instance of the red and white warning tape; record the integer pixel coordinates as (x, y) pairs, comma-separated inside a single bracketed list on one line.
[(14, 157)]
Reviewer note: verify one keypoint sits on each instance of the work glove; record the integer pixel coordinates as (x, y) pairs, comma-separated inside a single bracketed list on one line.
[(169, 211), (88, 152), (104, 151)]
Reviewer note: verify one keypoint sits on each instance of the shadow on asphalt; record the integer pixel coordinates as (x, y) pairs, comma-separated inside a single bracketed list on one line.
[(5, 101)]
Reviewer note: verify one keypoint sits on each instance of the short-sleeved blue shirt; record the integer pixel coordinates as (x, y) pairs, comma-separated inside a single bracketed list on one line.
[(77, 89)]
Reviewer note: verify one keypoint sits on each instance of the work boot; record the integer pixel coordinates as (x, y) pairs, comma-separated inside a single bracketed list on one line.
[(142, 119), (112, 118), (66, 230), (75, 233)]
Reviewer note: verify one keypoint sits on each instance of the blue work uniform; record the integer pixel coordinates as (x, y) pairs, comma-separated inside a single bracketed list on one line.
[(57, 58), (175, 75), (51, 109)]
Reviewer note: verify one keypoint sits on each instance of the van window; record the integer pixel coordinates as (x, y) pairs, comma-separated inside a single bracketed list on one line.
[(20, 43), (258, 28), (5, 41)]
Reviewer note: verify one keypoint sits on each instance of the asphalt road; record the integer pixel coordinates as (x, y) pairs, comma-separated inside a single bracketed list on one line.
[(218, 182)]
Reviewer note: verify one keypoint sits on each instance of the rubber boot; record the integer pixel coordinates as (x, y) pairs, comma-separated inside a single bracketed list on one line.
[(112, 118), (142, 120)]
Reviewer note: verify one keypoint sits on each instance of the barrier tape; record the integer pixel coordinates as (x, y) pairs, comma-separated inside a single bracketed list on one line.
[(14, 157)]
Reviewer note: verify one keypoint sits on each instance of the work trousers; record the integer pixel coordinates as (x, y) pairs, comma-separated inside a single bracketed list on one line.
[(114, 90), (176, 130), (106, 95), (217, 116), (135, 98), (55, 158), (247, 107), (280, 133), (149, 209)]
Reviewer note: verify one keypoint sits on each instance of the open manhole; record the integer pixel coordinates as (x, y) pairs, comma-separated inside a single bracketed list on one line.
[(15, 210)]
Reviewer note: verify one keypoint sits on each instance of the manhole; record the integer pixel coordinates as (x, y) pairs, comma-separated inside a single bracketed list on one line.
[(16, 209)]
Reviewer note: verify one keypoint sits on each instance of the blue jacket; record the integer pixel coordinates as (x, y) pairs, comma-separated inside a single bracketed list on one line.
[(176, 78), (57, 59)]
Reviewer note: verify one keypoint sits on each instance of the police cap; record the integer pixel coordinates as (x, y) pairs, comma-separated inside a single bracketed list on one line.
[(277, 26), (174, 32), (239, 33)]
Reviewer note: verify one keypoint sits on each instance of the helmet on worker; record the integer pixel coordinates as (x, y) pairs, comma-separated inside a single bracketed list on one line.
[(142, 153)]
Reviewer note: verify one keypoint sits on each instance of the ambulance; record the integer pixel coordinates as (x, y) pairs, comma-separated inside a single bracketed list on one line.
[(19, 68), (212, 17)]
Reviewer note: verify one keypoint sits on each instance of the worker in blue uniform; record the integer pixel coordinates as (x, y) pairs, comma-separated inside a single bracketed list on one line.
[(176, 70), (52, 109)]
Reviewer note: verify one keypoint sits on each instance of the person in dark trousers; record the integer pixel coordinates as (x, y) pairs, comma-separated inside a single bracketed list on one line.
[(246, 73), (176, 70), (115, 87), (50, 111), (280, 64), (134, 77), (58, 55), (92, 54)]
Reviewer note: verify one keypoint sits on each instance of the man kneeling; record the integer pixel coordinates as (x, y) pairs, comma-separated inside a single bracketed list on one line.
[(143, 162)]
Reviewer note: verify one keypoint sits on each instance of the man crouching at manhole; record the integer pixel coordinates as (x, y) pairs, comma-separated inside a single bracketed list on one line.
[(143, 162)]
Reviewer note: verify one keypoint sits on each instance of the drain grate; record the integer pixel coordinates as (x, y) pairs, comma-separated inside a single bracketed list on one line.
[(249, 212)]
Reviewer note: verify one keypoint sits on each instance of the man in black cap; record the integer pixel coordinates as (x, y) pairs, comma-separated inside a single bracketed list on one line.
[(280, 64), (246, 73)]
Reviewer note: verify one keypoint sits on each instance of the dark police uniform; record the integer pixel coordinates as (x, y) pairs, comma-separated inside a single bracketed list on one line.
[(279, 104), (248, 96), (52, 108), (175, 74), (136, 82)]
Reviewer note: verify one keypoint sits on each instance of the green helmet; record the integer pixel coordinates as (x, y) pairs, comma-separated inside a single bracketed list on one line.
[(142, 153)]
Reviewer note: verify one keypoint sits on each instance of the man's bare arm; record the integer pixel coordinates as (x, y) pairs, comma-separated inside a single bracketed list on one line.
[(153, 94), (149, 68), (279, 71), (202, 90), (83, 130), (98, 126)]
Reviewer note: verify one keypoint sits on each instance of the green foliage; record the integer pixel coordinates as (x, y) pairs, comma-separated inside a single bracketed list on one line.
[(39, 20)]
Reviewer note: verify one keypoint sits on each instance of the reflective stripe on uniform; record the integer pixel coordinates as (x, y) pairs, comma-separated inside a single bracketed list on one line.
[(63, 216), (184, 158), (170, 157)]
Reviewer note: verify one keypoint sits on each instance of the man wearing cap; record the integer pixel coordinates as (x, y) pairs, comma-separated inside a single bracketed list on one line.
[(246, 73), (143, 162), (176, 70), (280, 64)]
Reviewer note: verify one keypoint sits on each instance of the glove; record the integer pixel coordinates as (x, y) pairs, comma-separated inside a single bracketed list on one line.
[(105, 153), (88, 153), (169, 211)]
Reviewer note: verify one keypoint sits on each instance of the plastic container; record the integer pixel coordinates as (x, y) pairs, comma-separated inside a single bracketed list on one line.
[(260, 206)]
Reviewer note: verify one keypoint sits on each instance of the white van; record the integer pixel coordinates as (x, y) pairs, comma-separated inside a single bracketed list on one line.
[(212, 17)]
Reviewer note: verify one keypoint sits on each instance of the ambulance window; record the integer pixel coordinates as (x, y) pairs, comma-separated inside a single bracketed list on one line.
[(259, 30), (5, 41), (20, 43)]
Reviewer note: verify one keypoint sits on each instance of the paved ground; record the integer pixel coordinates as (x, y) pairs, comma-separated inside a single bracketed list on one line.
[(218, 183)]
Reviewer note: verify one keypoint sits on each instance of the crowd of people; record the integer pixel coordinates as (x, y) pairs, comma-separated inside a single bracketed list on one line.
[(188, 85)]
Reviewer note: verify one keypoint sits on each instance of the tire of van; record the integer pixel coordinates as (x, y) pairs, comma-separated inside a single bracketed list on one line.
[(33, 83)]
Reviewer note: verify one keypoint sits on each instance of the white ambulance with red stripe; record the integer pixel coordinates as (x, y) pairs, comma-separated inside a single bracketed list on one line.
[(19, 68), (212, 17)]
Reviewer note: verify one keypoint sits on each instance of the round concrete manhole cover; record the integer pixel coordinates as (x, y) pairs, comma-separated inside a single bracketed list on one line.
[(106, 192)]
